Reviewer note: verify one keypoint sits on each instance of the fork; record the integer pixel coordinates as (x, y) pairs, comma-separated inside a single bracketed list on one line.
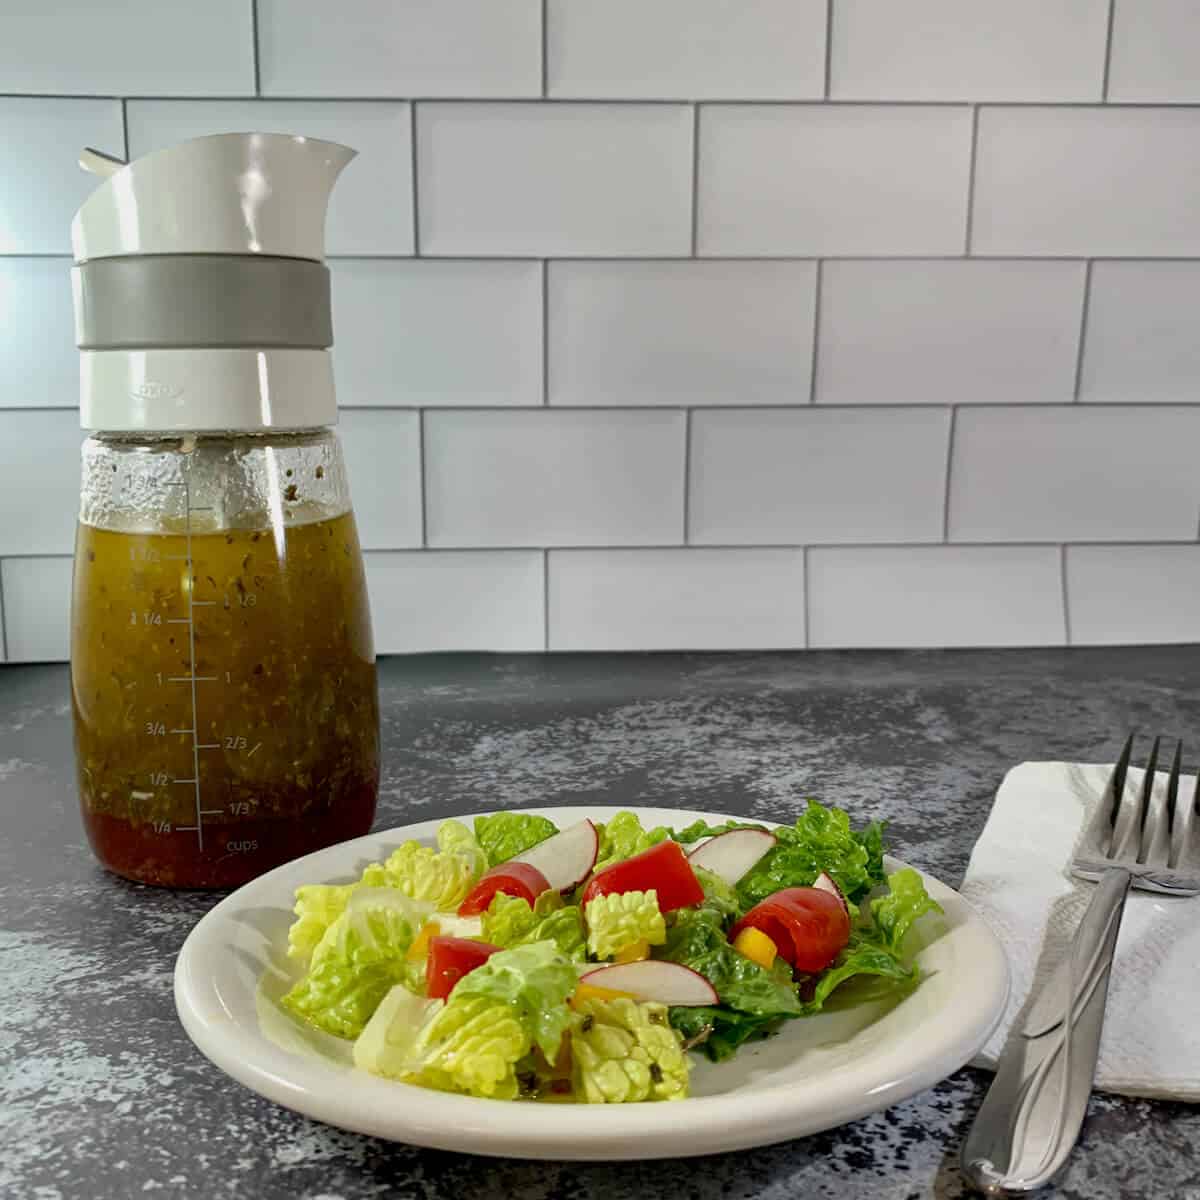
[(1146, 838)]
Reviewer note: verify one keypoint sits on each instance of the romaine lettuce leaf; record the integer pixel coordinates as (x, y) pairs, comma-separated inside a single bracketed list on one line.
[(720, 1031), (386, 1044), (623, 837), (510, 921), (719, 897), (622, 918), (443, 877), (504, 835), (360, 957), (318, 905), (472, 1045), (904, 903), (623, 1052)]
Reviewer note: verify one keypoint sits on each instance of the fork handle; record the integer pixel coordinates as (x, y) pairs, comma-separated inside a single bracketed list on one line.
[(1030, 1118)]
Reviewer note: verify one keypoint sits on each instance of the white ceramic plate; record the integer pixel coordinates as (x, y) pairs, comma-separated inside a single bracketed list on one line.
[(818, 1073)]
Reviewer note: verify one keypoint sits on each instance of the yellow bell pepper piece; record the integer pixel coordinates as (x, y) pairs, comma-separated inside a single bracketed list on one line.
[(590, 991), (756, 946), (634, 952), (420, 944)]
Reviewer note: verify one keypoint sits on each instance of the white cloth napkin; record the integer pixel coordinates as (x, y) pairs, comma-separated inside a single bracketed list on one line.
[(1019, 880)]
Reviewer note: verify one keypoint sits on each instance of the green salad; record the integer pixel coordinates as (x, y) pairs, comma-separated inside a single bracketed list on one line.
[(517, 960)]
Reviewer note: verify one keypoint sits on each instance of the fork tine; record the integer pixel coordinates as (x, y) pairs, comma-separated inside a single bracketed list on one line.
[(1118, 779), (1156, 819), (1182, 817), (1131, 816)]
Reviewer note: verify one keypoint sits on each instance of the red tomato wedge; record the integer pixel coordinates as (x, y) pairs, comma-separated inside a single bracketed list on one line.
[(664, 867), (511, 878), (451, 958), (808, 926)]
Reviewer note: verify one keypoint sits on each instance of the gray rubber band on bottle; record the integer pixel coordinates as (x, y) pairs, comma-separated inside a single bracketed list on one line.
[(188, 301)]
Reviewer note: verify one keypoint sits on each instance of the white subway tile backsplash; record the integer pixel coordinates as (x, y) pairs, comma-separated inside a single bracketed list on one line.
[(426, 601), (136, 47), (817, 475), (680, 332), (417, 48), (1141, 342), (948, 332), (1080, 473), (383, 461), (42, 185), (371, 208), (577, 179), (39, 481), (39, 365), (686, 49), (967, 50), (527, 478), (1155, 48), (1128, 594), (428, 332), (914, 596), (676, 599), (1087, 182), (37, 608), (833, 179)]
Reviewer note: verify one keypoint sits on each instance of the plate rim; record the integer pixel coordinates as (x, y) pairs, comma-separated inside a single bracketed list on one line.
[(466, 1124)]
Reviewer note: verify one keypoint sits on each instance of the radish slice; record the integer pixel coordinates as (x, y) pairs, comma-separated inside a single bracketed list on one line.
[(823, 883), (663, 982), (567, 858), (730, 855)]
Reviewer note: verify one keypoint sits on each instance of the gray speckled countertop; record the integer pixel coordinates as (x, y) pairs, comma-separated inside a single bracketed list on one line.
[(102, 1094)]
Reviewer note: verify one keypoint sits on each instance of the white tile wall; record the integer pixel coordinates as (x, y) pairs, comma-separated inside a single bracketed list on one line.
[(1061, 474), (136, 47), (904, 596), (680, 332), (414, 48), (37, 608), (437, 332), (968, 50), (383, 459), (676, 599), (39, 366), (1155, 47), (949, 332), (686, 49), (1141, 342), (559, 478), (812, 179), (371, 210), (595, 262), (457, 600), (41, 184), (1087, 181), (1130, 594), (519, 179), (817, 475), (39, 481)]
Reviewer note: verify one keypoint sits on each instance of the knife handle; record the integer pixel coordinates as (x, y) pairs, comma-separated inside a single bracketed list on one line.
[(1030, 1118)]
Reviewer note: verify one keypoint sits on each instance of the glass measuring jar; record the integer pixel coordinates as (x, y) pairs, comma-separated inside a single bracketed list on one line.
[(222, 667)]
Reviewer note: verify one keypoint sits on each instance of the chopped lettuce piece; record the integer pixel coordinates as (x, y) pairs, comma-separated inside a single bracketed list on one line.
[(535, 982), (695, 940), (472, 1045), (386, 1044), (358, 960), (511, 921), (623, 1051), (443, 877), (623, 837), (864, 956), (719, 897), (318, 905), (905, 902), (720, 1031), (504, 835), (622, 918)]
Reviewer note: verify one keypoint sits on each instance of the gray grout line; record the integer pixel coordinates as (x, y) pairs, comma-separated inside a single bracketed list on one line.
[(1066, 597), (687, 475), (3, 622), (1048, 543), (828, 48), (545, 61), (545, 333), (949, 472), (546, 599), (1108, 41), (421, 478), (807, 599), (971, 179), (695, 176), (818, 288), (254, 45), (1083, 324), (125, 129), (412, 154)]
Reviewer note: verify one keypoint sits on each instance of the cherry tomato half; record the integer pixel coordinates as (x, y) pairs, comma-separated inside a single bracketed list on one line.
[(664, 867), (511, 878), (451, 958), (808, 926)]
